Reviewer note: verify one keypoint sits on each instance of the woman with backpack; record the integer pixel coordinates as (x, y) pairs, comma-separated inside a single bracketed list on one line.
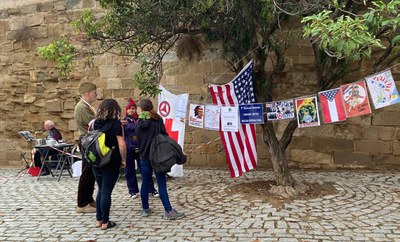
[(107, 121), (132, 151), (149, 125)]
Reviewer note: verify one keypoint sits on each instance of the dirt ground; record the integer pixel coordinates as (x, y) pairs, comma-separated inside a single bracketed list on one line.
[(259, 190)]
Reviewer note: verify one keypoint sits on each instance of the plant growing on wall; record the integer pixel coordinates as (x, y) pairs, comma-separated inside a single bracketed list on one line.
[(341, 33)]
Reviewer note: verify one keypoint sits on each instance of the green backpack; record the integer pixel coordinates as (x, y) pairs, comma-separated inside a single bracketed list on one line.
[(94, 148)]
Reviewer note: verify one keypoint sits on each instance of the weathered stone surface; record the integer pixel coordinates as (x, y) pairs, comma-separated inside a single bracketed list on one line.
[(108, 71), (348, 158), (386, 119), (217, 160), (54, 106), (29, 98), (379, 133), (373, 147), (396, 148), (326, 144), (309, 156)]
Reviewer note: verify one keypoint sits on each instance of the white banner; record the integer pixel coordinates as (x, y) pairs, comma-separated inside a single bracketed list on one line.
[(230, 119), (172, 109)]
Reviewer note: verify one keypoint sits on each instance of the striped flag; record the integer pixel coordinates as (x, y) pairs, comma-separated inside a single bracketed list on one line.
[(240, 147), (332, 105)]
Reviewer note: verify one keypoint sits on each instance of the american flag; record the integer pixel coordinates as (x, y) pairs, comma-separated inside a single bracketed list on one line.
[(240, 147), (332, 105)]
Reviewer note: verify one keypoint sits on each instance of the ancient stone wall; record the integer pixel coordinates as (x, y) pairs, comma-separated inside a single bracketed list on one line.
[(31, 92)]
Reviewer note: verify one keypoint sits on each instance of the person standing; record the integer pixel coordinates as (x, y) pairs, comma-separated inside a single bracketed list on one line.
[(107, 121), (84, 113), (132, 151), (149, 125)]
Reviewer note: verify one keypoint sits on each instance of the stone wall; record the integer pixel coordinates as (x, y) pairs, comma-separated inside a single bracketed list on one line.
[(31, 92)]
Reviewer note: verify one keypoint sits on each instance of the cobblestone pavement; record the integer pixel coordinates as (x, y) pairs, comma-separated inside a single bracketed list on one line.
[(366, 208)]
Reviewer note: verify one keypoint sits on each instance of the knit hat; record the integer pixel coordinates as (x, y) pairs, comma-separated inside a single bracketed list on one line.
[(86, 87), (130, 104)]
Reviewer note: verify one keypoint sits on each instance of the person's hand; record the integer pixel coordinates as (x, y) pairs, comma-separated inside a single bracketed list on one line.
[(123, 164)]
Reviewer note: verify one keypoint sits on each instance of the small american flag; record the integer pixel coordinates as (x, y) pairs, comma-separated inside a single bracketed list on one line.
[(240, 147)]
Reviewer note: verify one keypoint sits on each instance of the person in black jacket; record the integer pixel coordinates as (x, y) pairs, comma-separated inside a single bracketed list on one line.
[(107, 120), (149, 125)]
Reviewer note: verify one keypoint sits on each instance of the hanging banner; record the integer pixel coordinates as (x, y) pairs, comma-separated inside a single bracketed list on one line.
[(383, 89), (196, 115), (251, 113), (307, 112), (212, 116), (172, 109), (355, 98), (280, 110), (332, 105), (229, 119)]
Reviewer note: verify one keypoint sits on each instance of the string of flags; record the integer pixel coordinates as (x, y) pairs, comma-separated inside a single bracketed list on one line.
[(349, 100)]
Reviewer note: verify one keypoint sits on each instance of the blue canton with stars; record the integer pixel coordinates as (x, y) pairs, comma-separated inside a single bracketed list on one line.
[(243, 86), (330, 95)]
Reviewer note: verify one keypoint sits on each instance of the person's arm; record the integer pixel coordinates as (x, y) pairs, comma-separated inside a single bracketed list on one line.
[(122, 148), (163, 129)]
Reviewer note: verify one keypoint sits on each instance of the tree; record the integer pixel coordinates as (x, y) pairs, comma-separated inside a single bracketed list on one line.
[(340, 33)]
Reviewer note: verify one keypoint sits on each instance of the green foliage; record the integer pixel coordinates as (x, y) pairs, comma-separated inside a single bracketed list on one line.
[(60, 51), (352, 36)]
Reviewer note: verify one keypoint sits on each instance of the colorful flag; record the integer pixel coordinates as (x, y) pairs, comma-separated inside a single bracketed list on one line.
[(280, 110), (332, 105), (170, 107), (240, 147), (383, 89), (355, 98), (307, 112)]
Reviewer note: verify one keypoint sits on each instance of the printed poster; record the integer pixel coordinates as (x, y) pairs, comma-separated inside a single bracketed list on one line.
[(307, 112), (211, 117), (355, 98), (230, 119), (251, 113), (280, 110), (196, 115), (383, 89)]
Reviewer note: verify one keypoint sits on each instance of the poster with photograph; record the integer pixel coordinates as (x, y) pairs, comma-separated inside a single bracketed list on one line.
[(211, 117), (355, 98), (307, 112), (383, 89), (196, 115), (280, 110), (230, 119)]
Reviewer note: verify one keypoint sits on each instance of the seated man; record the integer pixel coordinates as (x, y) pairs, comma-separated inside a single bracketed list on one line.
[(52, 132)]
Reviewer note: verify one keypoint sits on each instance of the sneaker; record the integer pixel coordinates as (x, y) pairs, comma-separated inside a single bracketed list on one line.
[(86, 209), (173, 215), (155, 194), (134, 195), (146, 212)]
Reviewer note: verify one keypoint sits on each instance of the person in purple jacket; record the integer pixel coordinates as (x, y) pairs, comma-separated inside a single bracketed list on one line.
[(132, 153)]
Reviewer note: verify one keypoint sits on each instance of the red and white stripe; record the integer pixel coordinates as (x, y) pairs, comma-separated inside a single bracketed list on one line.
[(240, 147)]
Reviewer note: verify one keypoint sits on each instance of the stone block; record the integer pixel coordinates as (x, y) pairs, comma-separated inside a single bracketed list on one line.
[(217, 160), (396, 148), (350, 158), (123, 93), (309, 156), (108, 71), (127, 71), (17, 24), (300, 142), (373, 147), (13, 155), (34, 20), (67, 114), (4, 26), (114, 83), (69, 105), (386, 119), (197, 160), (379, 133), (326, 144), (54, 106), (382, 160), (38, 32), (29, 98)]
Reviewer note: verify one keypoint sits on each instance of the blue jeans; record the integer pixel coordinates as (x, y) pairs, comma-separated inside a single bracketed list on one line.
[(130, 172), (106, 179), (147, 172)]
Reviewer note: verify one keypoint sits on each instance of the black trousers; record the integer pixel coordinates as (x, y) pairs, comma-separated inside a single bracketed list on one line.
[(86, 182)]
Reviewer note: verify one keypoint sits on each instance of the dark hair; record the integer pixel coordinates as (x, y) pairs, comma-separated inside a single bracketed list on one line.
[(108, 109), (147, 105)]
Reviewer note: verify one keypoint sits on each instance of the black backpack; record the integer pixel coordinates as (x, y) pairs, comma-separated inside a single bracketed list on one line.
[(94, 148)]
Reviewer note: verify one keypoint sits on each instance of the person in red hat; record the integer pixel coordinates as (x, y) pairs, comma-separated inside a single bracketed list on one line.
[(132, 153)]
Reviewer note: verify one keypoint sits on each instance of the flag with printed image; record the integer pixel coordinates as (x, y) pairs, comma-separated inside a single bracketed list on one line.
[(355, 98), (307, 112), (332, 105), (383, 89), (240, 147)]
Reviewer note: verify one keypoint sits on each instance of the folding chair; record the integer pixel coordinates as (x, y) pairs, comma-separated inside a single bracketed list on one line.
[(31, 140)]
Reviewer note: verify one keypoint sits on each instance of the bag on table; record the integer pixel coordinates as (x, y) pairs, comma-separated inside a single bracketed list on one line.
[(95, 150)]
